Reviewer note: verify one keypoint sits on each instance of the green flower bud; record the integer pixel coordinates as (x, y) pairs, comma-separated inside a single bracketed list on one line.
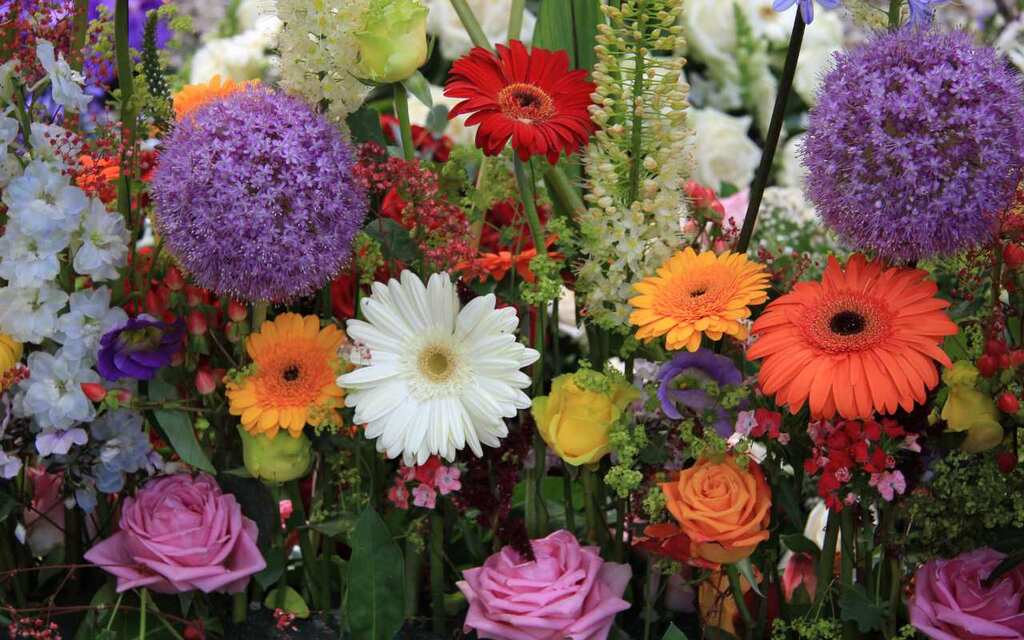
[(393, 40), (278, 459)]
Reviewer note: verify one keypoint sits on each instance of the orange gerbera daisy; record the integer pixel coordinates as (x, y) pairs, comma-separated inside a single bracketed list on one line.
[(291, 382), (193, 96), (695, 295), (863, 340)]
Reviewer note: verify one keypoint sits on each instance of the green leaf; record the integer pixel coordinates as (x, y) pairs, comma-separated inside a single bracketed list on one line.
[(551, 31), (747, 571), (364, 124), (437, 119), (275, 567), (7, 505), (856, 606), (418, 86), (257, 504), (673, 633), (177, 426), (797, 543), (289, 600), (394, 239), (374, 605), (586, 15)]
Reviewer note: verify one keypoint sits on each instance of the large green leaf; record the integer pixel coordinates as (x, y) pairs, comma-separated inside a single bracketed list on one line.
[(673, 633), (177, 426), (552, 33), (374, 606), (856, 606), (394, 239)]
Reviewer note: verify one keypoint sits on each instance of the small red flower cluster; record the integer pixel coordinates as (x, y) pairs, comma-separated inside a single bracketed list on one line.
[(33, 628), (411, 195), (429, 478), (855, 454)]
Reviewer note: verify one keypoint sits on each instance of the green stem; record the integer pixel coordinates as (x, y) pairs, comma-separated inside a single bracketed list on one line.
[(771, 143), (570, 511), (239, 607), (126, 86), (597, 531), (515, 19), (649, 598), (309, 560), (895, 14), (401, 99), (73, 541), (471, 25), (9, 565), (142, 614), (80, 29), (259, 315), (826, 562), (849, 535), (737, 595), (20, 101), (618, 545), (638, 127), (437, 571), (413, 566), (563, 192)]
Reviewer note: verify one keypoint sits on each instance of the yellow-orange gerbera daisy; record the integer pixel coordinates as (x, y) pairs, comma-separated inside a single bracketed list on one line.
[(863, 340), (291, 384), (695, 295), (193, 96)]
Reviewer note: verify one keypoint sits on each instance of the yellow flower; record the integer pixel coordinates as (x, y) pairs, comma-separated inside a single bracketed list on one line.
[(393, 41), (695, 295), (291, 383), (193, 96), (970, 410), (277, 459), (574, 420), (10, 353)]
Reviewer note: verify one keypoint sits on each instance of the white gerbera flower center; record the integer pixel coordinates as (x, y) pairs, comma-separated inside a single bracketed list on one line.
[(439, 368)]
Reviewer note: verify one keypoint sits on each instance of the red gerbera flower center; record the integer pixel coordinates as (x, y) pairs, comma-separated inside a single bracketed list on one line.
[(847, 323), (526, 102)]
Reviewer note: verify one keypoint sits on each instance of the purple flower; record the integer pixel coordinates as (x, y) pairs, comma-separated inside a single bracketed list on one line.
[(916, 144), (806, 7), (139, 348), (255, 197), (137, 10), (706, 366), (922, 12), (57, 442)]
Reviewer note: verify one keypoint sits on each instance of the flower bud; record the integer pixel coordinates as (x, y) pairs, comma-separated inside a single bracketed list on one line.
[(393, 40), (206, 381), (94, 391), (276, 459), (1013, 255), (237, 311), (1008, 403), (195, 321), (1007, 462), (987, 366), (195, 296), (174, 280)]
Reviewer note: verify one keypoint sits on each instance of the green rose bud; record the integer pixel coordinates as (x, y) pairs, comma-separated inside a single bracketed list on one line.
[(278, 459), (393, 40)]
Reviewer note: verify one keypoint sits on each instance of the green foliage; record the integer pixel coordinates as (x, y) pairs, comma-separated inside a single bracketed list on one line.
[(856, 606), (821, 629), (374, 608), (177, 427), (159, 105)]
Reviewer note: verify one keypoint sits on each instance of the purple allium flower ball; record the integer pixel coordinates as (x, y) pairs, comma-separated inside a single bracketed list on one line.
[(255, 197), (916, 144), (139, 348)]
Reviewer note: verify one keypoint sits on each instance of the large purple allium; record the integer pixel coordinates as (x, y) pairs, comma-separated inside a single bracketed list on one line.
[(703, 365), (916, 144), (255, 197), (139, 349)]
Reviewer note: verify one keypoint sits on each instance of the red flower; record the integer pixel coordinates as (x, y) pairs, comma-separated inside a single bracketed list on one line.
[(531, 97)]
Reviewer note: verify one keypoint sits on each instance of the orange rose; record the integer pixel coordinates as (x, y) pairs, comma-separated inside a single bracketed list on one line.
[(722, 507)]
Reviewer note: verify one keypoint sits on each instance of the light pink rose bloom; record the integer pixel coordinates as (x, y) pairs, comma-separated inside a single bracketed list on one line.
[(567, 591), (951, 602), (44, 521), (179, 534)]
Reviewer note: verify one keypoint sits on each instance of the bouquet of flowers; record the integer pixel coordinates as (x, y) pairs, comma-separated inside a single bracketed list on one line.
[(511, 319)]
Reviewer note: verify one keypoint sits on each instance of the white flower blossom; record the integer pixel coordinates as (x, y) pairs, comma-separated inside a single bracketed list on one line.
[(29, 261), (53, 144), (90, 317), (722, 148), (42, 201), (104, 244), (8, 132), (65, 82), (10, 169), (53, 394), (30, 315), (491, 14)]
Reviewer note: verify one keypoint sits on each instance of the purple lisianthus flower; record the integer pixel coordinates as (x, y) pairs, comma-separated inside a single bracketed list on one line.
[(139, 349), (255, 197), (806, 7), (705, 365), (916, 144)]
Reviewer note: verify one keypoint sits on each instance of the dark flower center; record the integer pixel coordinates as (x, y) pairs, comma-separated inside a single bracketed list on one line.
[(526, 102), (847, 323), (291, 373), (696, 293)]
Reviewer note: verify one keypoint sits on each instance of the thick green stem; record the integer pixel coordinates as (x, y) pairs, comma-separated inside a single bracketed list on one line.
[(240, 607), (826, 562), (515, 19), (437, 571), (848, 533), (563, 192), (413, 566), (597, 530), (318, 591), (895, 14), (126, 86), (405, 126), (635, 159), (649, 598), (259, 315), (142, 613), (471, 25), (80, 29), (73, 542), (618, 545), (737, 594), (771, 143), (570, 510)]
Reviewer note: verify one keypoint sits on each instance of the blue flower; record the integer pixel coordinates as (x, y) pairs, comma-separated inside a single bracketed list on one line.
[(807, 7), (922, 12), (125, 448)]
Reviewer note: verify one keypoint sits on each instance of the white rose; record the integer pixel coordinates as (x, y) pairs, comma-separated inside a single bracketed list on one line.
[(820, 45), (711, 31), (491, 14), (766, 22), (241, 57), (723, 151), (791, 171)]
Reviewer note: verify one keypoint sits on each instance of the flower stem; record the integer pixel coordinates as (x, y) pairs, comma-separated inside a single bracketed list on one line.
[(413, 564), (826, 562), (239, 607), (638, 127), (471, 25), (80, 29), (563, 192), (737, 595), (9, 566), (317, 591), (895, 14), (402, 112), (437, 571), (142, 613), (774, 131), (515, 19), (849, 536), (259, 315), (570, 511)]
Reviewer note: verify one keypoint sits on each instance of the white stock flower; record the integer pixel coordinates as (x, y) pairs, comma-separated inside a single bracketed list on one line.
[(491, 14), (723, 150), (30, 315), (791, 172), (439, 378), (53, 394), (820, 45), (710, 27), (104, 245), (65, 82), (29, 261), (42, 201), (240, 57), (90, 317)]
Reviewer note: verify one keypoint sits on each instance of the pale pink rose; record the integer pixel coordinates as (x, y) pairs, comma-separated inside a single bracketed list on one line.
[(44, 520), (180, 533), (567, 591)]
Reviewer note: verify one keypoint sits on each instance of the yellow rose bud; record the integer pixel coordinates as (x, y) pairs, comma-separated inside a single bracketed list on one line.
[(10, 353), (393, 40), (575, 421), (277, 459), (970, 410)]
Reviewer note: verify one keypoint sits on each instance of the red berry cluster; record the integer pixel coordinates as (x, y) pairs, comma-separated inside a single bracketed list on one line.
[(32, 628), (852, 453)]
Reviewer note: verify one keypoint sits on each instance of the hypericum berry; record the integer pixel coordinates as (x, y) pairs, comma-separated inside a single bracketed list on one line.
[(94, 391), (237, 311), (206, 381), (987, 366), (1007, 462), (995, 347), (174, 280), (1008, 403), (196, 323), (1013, 255)]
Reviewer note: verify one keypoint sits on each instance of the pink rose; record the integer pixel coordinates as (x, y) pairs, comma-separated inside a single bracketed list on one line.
[(951, 603), (178, 534), (567, 591)]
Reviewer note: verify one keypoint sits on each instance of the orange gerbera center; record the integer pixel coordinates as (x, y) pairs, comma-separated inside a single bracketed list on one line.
[(526, 102), (846, 322), (294, 376)]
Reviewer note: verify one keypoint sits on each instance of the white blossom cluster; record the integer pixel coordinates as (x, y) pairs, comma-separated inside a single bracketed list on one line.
[(631, 225)]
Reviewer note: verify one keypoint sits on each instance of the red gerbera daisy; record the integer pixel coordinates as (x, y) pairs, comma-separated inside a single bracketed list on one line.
[(529, 96)]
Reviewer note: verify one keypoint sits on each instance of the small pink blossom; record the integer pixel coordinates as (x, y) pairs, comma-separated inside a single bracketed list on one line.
[(745, 422), (447, 480), (889, 484), (407, 474), (398, 495), (424, 496), (783, 439), (910, 443), (285, 508), (843, 475)]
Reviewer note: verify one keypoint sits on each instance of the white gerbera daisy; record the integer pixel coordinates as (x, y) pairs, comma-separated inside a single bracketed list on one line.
[(437, 378)]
